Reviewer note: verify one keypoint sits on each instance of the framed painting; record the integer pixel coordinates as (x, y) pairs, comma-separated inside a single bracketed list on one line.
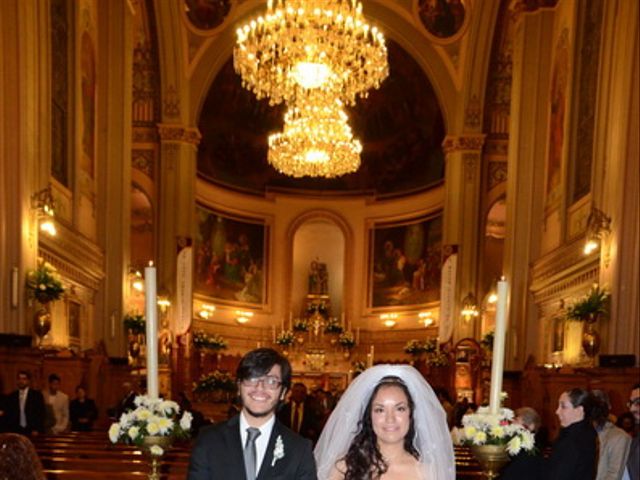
[(74, 319), (231, 257), (405, 262), (558, 335)]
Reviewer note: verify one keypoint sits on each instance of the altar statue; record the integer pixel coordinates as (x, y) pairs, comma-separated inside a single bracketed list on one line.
[(318, 278)]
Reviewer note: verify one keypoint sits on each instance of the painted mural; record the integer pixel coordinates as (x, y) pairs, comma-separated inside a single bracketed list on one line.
[(230, 257), (559, 84), (206, 14), (406, 262), (60, 34), (442, 18)]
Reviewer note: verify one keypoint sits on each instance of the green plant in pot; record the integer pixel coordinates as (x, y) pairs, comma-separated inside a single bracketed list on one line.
[(589, 309)]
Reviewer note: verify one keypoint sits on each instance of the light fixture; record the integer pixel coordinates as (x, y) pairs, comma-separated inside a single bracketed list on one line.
[(493, 297), (298, 45), (389, 320), (206, 310), (316, 140), (243, 316), (42, 202), (426, 318), (135, 277), (598, 226), (469, 307), (163, 303)]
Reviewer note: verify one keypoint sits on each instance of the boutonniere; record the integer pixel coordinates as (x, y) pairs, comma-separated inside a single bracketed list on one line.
[(278, 451)]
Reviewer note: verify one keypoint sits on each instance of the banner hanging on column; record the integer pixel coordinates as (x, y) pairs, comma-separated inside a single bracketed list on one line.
[(184, 289), (447, 293)]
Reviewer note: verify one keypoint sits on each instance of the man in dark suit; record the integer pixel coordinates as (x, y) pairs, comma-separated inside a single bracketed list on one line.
[(25, 408), (254, 445), (301, 414)]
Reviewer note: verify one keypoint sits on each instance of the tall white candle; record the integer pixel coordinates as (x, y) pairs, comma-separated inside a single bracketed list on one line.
[(290, 320), (151, 316), (372, 352), (497, 367)]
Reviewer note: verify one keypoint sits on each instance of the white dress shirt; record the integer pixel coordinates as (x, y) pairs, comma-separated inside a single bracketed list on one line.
[(60, 405), (262, 442)]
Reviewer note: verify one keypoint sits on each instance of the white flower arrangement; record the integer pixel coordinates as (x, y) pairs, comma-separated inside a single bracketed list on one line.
[(484, 428), (151, 417), (278, 451)]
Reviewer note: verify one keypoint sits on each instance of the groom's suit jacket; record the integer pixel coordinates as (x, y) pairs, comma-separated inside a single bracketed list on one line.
[(217, 455)]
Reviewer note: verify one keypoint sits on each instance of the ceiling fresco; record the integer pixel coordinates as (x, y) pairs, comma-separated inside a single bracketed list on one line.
[(400, 126)]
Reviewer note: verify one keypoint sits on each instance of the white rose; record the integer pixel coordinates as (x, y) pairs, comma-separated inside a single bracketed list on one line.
[(156, 450), (133, 432), (185, 421), (114, 432)]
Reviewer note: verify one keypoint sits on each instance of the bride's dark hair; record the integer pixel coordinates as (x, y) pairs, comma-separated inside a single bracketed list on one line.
[(364, 461)]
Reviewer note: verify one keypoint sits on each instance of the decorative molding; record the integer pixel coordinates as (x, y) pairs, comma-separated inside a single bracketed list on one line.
[(470, 162), (473, 113), (463, 143), (171, 104), (178, 133), (497, 145), (563, 272), (497, 174), (143, 161), (145, 135)]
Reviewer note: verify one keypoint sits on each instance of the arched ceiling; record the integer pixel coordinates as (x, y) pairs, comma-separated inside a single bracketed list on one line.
[(400, 126)]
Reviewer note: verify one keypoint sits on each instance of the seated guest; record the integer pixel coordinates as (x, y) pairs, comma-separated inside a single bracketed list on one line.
[(126, 403), (18, 458), (25, 409), (627, 423), (526, 465), (57, 404), (614, 442), (574, 454), (633, 461), (198, 421), (82, 411)]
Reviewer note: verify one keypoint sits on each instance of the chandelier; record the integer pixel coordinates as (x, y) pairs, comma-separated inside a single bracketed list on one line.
[(317, 56), (310, 44), (316, 140)]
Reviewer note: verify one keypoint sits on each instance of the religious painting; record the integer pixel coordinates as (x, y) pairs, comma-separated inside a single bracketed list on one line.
[(206, 14), (60, 34), (558, 98), (442, 18), (230, 257), (406, 260), (88, 91), (74, 319)]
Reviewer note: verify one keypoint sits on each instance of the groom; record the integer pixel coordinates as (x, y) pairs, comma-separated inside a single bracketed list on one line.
[(254, 445)]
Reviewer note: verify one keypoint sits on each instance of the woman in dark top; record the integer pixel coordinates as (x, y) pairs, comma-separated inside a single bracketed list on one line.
[(574, 455), (82, 411)]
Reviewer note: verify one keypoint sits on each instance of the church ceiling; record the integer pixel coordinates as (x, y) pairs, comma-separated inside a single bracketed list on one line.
[(400, 126)]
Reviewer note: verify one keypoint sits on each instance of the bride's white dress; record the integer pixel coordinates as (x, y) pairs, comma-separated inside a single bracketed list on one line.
[(432, 439)]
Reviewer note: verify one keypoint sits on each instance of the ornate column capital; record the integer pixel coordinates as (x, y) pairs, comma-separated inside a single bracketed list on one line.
[(179, 133), (463, 143)]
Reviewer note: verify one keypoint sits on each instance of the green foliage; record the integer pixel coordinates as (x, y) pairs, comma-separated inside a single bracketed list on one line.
[(589, 307), (43, 283), (211, 342), (135, 322), (333, 326), (346, 340), (300, 325), (285, 338), (217, 380)]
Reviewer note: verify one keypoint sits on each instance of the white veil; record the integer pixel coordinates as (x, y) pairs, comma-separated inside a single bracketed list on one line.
[(432, 439)]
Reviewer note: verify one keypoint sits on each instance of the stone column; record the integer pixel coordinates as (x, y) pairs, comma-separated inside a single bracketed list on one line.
[(525, 182), (461, 216)]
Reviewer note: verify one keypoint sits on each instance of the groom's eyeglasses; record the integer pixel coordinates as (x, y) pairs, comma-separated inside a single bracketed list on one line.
[(270, 383)]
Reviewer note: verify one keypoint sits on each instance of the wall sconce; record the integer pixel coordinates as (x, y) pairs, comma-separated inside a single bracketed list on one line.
[(426, 318), (163, 304), (137, 282), (598, 226), (206, 311), (493, 298), (469, 307), (389, 320), (42, 202), (243, 316)]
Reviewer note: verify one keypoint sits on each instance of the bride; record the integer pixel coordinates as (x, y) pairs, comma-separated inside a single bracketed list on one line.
[(388, 425)]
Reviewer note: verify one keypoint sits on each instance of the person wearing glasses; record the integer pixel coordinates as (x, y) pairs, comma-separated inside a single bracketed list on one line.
[(254, 445)]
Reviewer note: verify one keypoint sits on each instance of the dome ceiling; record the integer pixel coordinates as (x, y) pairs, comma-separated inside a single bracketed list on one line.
[(400, 126)]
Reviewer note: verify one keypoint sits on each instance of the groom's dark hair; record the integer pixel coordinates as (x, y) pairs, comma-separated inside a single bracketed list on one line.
[(258, 362)]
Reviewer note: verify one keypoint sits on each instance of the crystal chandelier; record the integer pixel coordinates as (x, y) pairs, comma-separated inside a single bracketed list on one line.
[(310, 44), (316, 140)]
